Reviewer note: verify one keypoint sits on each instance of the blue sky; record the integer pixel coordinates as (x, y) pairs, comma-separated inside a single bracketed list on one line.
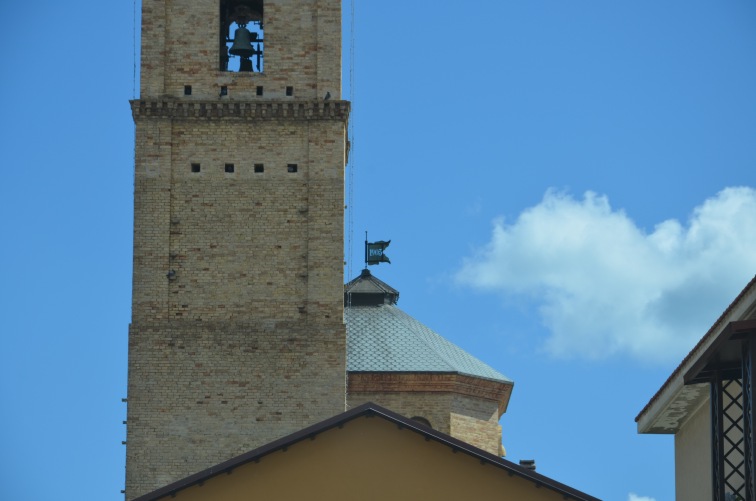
[(569, 188)]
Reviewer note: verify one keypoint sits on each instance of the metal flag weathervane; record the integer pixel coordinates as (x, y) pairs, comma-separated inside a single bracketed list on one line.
[(374, 252)]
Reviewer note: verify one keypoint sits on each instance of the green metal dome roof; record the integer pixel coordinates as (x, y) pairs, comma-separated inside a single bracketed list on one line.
[(383, 338)]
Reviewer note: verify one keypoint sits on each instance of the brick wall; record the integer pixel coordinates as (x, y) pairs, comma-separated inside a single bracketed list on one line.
[(199, 395), (242, 245), (464, 407), (476, 421)]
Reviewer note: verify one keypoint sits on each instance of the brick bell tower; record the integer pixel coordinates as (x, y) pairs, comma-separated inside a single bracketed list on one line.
[(237, 335)]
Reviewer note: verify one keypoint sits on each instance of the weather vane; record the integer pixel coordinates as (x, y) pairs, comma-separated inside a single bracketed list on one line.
[(374, 252)]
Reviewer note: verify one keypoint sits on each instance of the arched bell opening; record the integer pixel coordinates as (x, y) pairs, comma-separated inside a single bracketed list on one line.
[(241, 35)]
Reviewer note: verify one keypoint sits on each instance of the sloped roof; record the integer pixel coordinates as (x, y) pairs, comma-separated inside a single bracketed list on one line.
[(337, 422), (383, 338)]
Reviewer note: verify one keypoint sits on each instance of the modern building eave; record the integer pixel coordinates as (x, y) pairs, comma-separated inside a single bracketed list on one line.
[(676, 401)]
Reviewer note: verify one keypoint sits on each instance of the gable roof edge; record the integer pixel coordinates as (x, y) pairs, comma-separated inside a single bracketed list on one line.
[(367, 409)]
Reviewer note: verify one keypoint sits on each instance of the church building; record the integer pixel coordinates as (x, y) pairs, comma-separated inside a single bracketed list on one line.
[(394, 360), (244, 340)]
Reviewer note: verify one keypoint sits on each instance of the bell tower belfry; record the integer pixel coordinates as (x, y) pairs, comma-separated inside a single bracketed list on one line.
[(237, 335)]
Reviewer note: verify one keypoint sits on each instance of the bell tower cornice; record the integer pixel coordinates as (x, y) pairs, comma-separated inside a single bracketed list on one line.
[(270, 109)]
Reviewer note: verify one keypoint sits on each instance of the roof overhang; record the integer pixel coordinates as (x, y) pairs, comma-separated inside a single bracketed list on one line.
[(686, 389), (724, 355)]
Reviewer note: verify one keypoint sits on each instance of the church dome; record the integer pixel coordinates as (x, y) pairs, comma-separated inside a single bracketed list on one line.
[(383, 338)]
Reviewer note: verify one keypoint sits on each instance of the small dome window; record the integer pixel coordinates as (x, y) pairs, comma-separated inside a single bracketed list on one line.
[(422, 421)]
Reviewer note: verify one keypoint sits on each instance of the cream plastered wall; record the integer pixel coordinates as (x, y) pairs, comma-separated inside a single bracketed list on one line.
[(693, 457)]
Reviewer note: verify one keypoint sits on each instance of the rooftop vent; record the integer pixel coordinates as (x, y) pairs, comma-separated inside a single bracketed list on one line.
[(528, 464)]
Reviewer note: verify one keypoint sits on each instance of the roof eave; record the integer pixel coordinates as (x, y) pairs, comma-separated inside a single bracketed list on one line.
[(674, 402)]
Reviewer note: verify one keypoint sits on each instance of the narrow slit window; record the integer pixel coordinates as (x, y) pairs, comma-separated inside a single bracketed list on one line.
[(187, 90), (289, 91)]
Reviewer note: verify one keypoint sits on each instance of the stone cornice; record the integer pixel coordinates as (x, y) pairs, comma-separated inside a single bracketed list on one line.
[(402, 382), (247, 110)]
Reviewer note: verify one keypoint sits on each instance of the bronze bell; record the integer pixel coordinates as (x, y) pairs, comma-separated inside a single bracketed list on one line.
[(242, 46)]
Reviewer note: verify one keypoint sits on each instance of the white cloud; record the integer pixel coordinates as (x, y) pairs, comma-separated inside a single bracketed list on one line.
[(635, 497), (605, 286)]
